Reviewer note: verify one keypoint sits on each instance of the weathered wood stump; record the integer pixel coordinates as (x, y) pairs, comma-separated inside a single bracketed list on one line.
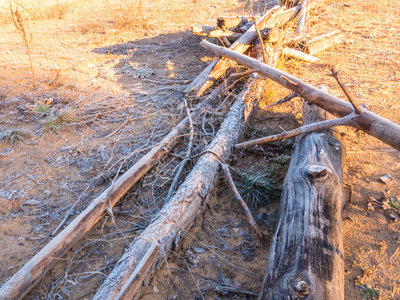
[(306, 255)]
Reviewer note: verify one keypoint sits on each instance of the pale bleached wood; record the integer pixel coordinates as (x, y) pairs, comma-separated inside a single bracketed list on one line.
[(306, 255), (31, 273), (323, 42), (178, 215), (345, 121), (371, 123), (275, 17), (299, 55), (212, 32)]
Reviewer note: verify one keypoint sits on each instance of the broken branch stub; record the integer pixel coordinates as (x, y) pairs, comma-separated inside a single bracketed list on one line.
[(369, 122)]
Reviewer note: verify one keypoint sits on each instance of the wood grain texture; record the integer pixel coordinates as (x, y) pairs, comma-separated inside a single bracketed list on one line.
[(306, 255)]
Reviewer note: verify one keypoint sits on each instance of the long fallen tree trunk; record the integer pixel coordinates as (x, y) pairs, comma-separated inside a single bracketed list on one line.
[(178, 215), (30, 274), (371, 123), (306, 255)]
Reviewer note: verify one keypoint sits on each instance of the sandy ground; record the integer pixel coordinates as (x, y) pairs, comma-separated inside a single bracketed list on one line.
[(102, 76)]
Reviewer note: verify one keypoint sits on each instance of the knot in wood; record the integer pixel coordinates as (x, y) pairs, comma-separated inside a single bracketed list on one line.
[(302, 288), (316, 172)]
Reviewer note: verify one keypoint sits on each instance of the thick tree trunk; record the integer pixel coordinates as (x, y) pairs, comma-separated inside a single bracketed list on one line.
[(30, 274), (178, 215), (306, 255), (373, 124)]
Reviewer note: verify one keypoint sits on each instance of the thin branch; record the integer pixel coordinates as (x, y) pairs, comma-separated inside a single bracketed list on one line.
[(335, 74), (345, 121), (241, 201), (283, 100), (187, 156), (261, 40)]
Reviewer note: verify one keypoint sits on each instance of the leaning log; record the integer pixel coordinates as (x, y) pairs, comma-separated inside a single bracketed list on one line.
[(31, 273), (306, 254), (178, 215), (371, 123)]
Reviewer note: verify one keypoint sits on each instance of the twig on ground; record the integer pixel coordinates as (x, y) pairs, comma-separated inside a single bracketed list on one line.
[(187, 156), (345, 121), (283, 100), (335, 74), (241, 201)]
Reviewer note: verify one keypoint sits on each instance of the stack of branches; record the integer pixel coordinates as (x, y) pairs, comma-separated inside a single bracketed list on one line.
[(182, 205)]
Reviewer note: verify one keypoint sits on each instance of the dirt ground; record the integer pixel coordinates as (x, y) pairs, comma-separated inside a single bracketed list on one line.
[(108, 89)]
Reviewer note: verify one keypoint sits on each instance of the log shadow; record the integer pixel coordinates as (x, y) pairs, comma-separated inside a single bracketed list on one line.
[(166, 59)]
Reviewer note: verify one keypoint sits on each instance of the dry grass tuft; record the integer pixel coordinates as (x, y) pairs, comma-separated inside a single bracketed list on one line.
[(58, 121)]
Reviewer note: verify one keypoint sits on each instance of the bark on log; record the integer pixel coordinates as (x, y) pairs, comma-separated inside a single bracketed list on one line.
[(31, 273), (178, 215), (299, 55), (275, 17), (209, 31), (306, 255), (371, 123), (322, 42)]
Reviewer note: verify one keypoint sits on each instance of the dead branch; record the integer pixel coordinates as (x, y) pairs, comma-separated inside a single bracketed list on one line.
[(323, 42), (179, 214), (283, 100), (299, 55), (373, 124), (186, 159), (345, 121), (261, 40), (335, 74), (30, 274), (241, 201)]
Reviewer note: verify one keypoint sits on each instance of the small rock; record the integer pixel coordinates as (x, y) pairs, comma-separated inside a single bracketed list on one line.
[(21, 244), (21, 239), (386, 179)]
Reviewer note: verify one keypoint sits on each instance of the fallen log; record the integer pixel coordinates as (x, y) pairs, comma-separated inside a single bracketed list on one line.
[(31, 273), (178, 215), (225, 23), (212, 32), (275, 17), (306, 254), (299, 55), (322, 42), (371, 123)]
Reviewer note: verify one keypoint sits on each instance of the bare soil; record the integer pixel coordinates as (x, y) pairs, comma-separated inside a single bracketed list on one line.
[(120, 88)]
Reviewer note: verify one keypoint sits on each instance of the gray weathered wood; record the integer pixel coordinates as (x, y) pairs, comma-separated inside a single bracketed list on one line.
[(322, 42), (306, 255), (371, 123), (31, 273), (178, 215)]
